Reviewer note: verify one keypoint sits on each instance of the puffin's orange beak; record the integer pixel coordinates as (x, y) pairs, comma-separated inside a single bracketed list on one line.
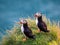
[(21, 23), (35, 16)]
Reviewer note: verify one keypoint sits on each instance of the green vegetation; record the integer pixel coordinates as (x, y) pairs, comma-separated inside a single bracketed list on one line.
[(14, 36)]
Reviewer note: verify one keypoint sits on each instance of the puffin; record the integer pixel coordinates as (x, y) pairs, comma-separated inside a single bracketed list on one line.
[(26, 30), (40, 23)]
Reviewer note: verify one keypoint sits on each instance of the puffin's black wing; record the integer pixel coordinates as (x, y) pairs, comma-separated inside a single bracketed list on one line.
[(43, 27), (28, 33)]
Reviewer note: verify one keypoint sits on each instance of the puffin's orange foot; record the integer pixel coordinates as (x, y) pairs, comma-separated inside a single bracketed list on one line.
[(38, 31), (24, 39)]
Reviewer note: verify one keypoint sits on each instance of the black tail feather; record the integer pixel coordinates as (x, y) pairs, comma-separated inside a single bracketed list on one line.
[(46, 31), (32, 37)]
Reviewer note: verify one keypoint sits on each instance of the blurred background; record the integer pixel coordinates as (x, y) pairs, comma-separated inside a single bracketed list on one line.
[(12, 10)]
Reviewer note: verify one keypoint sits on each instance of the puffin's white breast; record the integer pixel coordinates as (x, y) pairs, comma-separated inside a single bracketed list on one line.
[(36, 21), (22, 29)]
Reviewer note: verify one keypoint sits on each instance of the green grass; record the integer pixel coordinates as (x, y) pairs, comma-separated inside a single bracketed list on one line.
[(14, 36)]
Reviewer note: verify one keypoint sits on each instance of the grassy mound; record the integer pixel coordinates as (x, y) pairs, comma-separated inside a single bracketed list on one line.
[(14, 36)]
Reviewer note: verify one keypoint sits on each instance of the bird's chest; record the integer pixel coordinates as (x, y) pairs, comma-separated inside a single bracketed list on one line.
[(22, 29), (36, 21)]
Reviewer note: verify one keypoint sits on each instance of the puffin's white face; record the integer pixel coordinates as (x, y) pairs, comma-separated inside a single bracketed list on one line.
[(23, 22), (37, 15)]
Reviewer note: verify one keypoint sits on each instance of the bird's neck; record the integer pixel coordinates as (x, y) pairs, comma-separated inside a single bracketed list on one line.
[(25, 25), (40, 19)]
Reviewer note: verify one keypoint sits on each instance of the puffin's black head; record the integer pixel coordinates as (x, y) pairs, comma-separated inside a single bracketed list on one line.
[(24, 22), (38, 16)]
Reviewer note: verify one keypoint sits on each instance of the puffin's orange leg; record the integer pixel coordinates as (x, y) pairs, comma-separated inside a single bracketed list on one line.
[(24, 39), (38, 31)]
